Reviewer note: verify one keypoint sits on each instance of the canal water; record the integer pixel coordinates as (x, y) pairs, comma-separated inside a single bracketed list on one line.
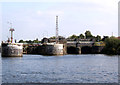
[(60, 69)]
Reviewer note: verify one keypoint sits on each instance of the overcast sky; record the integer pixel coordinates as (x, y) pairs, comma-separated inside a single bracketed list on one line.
[(36, 19)]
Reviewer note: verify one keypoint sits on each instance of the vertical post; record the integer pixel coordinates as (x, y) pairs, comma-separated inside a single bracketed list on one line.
[(57, 30), (112, 33), (11, 30), (12, 34)]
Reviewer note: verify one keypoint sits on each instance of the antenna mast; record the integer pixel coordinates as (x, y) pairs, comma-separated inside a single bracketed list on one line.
[(57, 41)]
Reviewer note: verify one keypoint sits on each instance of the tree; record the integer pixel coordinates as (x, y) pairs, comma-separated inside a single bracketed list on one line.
[(118, 50), (98, 38), (112, 45), (21, 41), (73, 37), (88, 34), (35, 41), (104, 38), (29, 41), (52, 37), (81, 36), (45, 40)]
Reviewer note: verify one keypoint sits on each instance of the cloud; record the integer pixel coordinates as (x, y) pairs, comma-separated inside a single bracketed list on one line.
[(107, 5), (50, 12), (39, 12), (55, 12)]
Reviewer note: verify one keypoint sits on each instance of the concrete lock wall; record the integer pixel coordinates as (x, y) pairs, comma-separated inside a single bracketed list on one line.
[(51, 49), (12, 50), (73, 50)]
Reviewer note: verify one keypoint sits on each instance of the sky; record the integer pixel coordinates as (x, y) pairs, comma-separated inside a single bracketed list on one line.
[(36, 18)]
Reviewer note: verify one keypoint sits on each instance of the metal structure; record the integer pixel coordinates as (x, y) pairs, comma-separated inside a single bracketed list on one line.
[(11, 49), (57, 40), (11, 29)]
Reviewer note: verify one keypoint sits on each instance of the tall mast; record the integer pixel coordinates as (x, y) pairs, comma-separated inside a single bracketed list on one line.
[(57, 40)]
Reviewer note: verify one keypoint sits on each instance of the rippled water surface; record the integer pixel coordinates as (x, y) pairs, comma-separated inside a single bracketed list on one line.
[(60, 69)]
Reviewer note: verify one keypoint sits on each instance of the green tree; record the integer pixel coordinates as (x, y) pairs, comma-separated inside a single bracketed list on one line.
[(81, 36), (112, 45), (118, 50), (29, 41), (21, 41), (73, 36), (98, 38), (36, 41), (104, 38), (88, 34), (52, 37)]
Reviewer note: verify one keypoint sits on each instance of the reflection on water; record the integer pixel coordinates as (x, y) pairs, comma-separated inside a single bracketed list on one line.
[(60, 69)]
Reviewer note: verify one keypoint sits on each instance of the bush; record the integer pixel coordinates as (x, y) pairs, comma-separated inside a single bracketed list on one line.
[(112, 46)]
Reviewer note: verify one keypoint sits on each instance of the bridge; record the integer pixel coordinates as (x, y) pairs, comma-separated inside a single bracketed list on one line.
[(84, 46)]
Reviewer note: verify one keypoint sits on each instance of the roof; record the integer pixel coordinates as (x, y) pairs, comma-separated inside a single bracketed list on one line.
[(118, 37), (11, 29)]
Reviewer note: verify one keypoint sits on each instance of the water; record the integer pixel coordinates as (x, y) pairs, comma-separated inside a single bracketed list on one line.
[(60, 69)]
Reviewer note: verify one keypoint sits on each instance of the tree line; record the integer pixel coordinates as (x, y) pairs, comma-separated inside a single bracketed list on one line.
[(87, 35)]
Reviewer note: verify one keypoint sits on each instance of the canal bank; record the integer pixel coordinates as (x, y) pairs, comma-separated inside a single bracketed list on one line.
[(60, 49)]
